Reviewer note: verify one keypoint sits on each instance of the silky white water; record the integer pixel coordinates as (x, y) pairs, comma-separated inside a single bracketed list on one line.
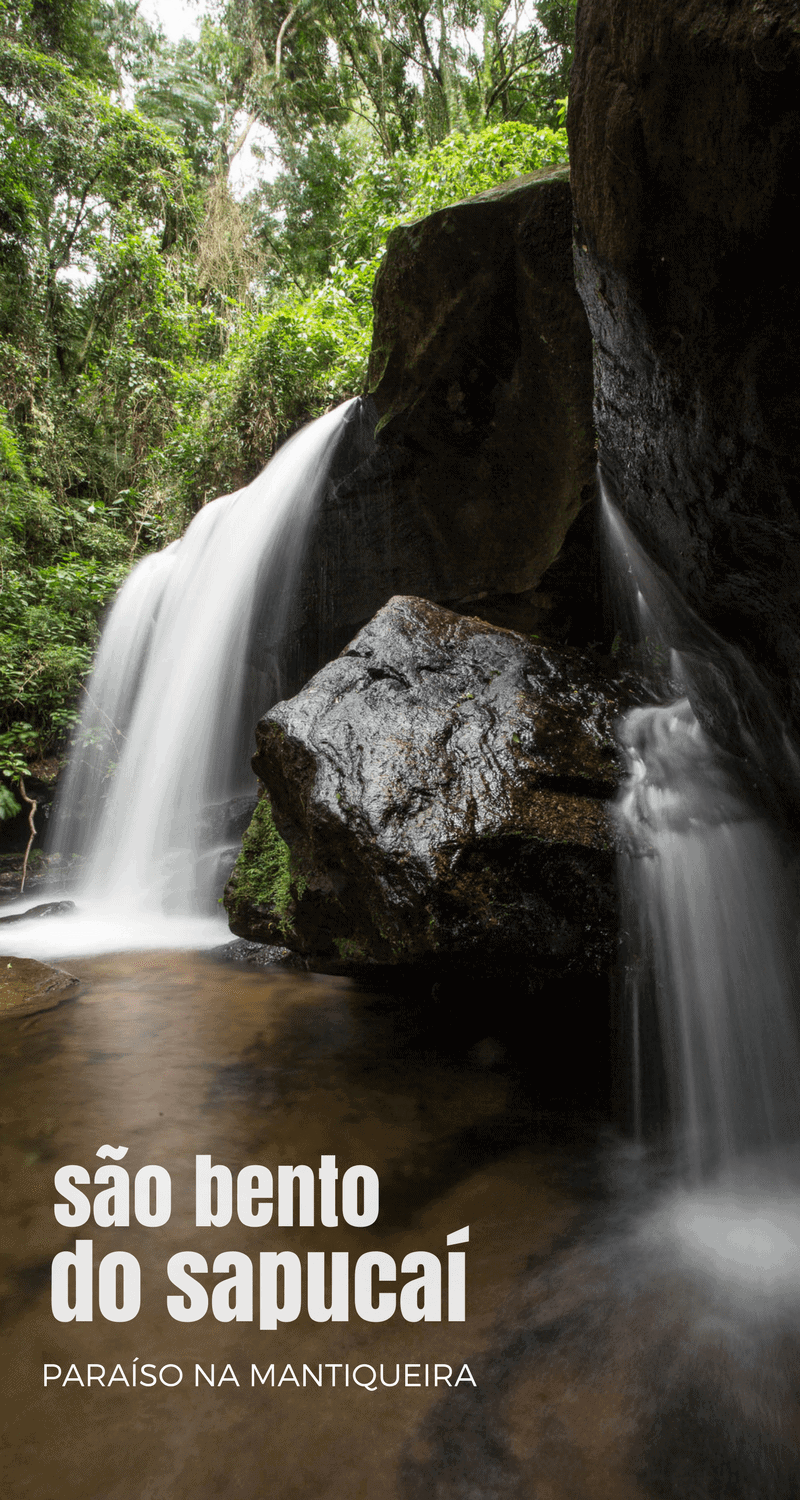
[(710, 919), (167, 726), (707, 891)]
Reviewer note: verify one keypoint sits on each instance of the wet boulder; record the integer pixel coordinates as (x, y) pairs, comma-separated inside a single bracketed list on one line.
[(437, 794)]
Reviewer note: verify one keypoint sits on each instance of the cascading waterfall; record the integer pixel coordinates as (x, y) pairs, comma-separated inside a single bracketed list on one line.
[(707, 902), (164, 738), (709, 911)]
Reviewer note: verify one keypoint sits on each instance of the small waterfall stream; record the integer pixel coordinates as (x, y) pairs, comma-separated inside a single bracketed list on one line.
[(710, 913), (709, 916), (708, 903)]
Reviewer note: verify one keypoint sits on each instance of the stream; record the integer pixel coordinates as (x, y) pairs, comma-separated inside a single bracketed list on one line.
[(173, 1055), (610, 1356)]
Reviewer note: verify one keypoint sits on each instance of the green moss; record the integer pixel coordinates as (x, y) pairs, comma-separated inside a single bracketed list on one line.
[(262, 874), (347, 948)]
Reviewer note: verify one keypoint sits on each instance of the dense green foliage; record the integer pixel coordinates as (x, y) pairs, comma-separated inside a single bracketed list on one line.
[(162, 330)]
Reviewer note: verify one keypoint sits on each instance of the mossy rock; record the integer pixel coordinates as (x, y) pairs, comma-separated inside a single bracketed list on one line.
[(261, 888)]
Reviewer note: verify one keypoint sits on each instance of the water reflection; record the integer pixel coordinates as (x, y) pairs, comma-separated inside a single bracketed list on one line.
[(609, 1366), (174, 1055)]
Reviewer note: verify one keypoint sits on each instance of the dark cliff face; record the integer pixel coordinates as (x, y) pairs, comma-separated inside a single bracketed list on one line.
[(481, 374), (480, 390), (685, 137)]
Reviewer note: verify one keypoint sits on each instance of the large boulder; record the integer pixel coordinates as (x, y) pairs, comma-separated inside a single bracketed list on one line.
[(685, 146), (438, 793), (459, 475)]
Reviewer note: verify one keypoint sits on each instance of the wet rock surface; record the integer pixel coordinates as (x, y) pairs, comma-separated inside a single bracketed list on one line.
[(481, 375), (480, 389), (685, 150), (442, 791), (257, 955), (44, 909), (28, 987)]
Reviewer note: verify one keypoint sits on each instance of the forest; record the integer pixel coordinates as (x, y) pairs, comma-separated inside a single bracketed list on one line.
[(162, 330)]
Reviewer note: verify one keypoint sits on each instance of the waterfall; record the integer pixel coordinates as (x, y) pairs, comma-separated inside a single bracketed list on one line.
[(163, 745), (708, 903), (708, 886)]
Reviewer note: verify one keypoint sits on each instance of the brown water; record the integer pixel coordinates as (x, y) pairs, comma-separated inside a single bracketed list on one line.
[(587, 1355)]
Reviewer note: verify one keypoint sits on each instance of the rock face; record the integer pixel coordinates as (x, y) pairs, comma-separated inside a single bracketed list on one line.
[(480, 391), (28, 987), (438, 792), (685, 143), (480, 372)]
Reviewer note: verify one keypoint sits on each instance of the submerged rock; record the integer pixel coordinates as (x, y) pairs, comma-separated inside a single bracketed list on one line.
[(438, 793), (28, 987), (685, 149)]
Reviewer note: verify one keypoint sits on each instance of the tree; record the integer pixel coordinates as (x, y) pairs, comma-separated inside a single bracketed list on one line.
[(96, 216), (412, 69)]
